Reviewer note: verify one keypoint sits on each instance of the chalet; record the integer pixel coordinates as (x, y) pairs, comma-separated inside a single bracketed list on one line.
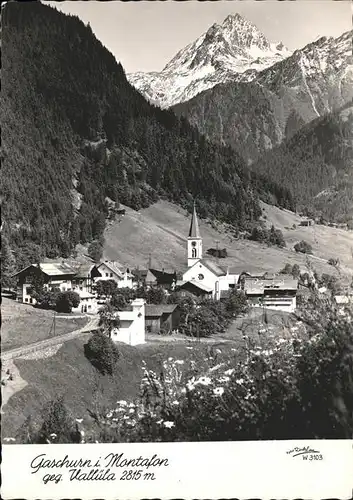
[(110, 270), (155, 277), (306, 223), (277, 293), (88, 303), (53, 275), (162, 316)]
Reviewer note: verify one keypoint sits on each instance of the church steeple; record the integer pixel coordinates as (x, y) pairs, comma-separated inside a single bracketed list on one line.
[(194, 226), (194, 244)]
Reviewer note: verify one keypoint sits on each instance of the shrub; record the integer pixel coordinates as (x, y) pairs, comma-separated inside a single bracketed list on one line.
[(303, 247), (102, 352), (65, 301)]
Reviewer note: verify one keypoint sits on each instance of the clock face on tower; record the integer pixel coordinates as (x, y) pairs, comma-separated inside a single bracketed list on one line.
[(193, 243), (200, 277)]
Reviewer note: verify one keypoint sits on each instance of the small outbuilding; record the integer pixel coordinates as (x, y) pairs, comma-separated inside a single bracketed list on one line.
[(162, 316)]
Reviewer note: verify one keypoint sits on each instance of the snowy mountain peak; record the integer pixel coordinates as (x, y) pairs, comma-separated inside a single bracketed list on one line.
[(232, 51)]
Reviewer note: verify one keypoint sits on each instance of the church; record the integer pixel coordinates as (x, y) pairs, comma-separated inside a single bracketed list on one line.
[(204, 277)]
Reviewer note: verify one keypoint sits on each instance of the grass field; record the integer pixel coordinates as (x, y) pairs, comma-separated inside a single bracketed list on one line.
[(23, 324), (67, 372), (161, 230)]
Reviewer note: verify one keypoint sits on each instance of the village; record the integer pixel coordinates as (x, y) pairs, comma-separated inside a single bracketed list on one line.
[(203, 279)]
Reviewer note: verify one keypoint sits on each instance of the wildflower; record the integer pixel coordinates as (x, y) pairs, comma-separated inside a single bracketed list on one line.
[(218, 391), (132, 405), (131, 410), (240, 381), (79, 420), (7, 439), (176, 403), (109, 415), (189, 348), (204, 381), (230, 371), (179, 362), (53, 435), (170, 359), (168, 424), (122, 402), (216, 367), (159, 422), (224, 379)]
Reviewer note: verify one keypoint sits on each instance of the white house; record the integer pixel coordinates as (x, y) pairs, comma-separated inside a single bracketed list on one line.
[(88, 303), (132, 325), (204, 274), (277, 293), (110, 270)]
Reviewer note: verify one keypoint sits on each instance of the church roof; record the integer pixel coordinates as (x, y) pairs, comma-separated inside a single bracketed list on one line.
[(194, 231), (213, 267)]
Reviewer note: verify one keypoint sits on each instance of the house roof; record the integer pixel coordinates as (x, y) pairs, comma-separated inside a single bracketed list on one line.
[(213, 267), (158, 310), (115, 267), (162, 277), (194, 231), (195, 283), (253, 286), (51, 269)]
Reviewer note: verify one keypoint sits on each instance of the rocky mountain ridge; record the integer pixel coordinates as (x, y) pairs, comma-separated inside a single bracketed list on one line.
[(233, 51), (258, 115)]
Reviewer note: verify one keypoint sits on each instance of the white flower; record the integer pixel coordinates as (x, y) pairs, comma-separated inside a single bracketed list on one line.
[(189, 348), (53, 435), (216, 367), (204, 381), (122, 402), (240, 381), (168, 424), (131, 410), (7, 439), (179, 362), (176, 403), (218, 391), (132, 405), (170, 359), (224, 379), (79, 420), (109, 415), (230, 371)]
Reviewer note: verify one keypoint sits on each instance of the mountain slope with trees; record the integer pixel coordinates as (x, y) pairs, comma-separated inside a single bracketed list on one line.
[(257, 115), (317, 165), (77, 137)]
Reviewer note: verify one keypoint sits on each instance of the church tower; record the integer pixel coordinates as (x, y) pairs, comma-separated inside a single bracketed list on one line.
[(194, 241)]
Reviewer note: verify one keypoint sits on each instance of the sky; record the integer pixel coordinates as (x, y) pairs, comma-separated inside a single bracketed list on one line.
[(145, 36)]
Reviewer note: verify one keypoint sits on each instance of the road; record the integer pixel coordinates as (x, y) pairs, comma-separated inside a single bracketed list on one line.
[(43, 344)]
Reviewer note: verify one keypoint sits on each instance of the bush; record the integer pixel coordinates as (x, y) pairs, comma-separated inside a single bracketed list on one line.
[(303, 247), (102, 352), (65, 301)]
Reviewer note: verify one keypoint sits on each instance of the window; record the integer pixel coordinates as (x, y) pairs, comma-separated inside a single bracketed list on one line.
[(26, 300), (201, 277), (193, 252), (106, 275)]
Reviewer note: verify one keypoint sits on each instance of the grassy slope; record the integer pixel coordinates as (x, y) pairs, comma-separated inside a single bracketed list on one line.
[(161, 231), (23, 324), (69, 373)]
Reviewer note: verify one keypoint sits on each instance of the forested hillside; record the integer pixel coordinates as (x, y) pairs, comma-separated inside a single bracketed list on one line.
[(77, 136), (317, 165)]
